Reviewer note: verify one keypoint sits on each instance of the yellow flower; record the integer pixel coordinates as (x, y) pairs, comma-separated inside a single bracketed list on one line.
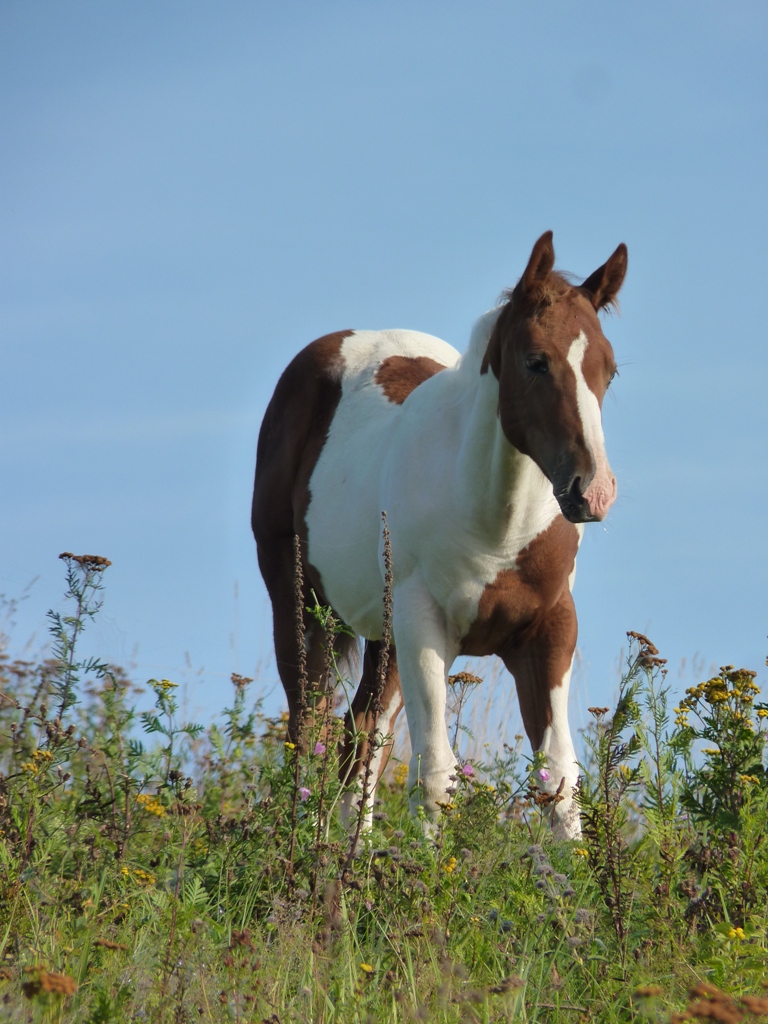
[(367, 968), (41, 760), (162, 686), (710, 750), (289, 746), (401, 774), (762, 713), (581, 852), (150, 804), (736, 933), (450, 865)]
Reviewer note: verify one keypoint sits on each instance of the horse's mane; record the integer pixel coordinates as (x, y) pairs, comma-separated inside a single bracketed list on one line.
[(556, 284)]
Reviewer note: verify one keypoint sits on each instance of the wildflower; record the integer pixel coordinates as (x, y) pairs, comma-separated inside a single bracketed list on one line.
[(150, 804), (756, 1004), (401, 774), (648, 992), (736, 933), (109, 944), (468, 770), (367, 968), (762, 713), (450, 865), (41, 980), (289, 746), (581, 852), (162, 686), (319, 748), (543, 774), (598, 712), (464, 679), (95, 562), (304, 793), (710, 750)]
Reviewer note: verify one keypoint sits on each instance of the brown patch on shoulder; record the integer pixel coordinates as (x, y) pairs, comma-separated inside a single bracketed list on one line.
[(398, 376), (519, 599)]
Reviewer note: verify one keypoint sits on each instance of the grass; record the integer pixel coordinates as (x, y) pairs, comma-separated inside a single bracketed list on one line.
[(155, 870)]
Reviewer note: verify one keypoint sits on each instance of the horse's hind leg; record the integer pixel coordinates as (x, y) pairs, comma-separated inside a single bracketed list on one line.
[(358, 726), (278, 566)]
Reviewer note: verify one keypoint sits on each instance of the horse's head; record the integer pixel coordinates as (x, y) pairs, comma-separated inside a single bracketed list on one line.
[(554, 364)]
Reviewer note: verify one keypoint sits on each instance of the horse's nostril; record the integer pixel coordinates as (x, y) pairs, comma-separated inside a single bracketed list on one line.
[(574, 491)]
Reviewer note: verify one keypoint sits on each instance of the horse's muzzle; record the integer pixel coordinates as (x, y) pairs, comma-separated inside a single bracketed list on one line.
[(590, 505)]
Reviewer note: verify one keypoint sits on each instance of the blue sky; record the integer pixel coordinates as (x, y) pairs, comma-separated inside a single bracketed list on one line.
[(190, 192)]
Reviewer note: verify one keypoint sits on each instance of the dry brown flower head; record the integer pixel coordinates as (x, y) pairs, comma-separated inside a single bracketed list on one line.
[(88, 561)]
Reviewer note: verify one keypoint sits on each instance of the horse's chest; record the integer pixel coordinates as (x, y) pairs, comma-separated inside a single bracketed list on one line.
[(520, 597)]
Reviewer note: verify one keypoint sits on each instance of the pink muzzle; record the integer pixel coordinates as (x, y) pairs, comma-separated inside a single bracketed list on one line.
[(601, 493)]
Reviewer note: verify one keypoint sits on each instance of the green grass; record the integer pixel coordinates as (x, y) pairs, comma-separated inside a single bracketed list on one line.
[(153, 870)]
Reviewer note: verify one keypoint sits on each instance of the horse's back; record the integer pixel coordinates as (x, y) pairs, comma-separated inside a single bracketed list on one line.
[(320, 450)]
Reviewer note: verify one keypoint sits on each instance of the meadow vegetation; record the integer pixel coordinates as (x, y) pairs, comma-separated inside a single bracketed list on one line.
[(157, 870)]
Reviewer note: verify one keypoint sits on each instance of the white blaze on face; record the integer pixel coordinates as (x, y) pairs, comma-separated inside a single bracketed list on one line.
[(600, 491)]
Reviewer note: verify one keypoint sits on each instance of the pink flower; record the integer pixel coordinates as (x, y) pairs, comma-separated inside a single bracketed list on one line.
[(304, 792), (543, 774), (319, 748), (468, 770)]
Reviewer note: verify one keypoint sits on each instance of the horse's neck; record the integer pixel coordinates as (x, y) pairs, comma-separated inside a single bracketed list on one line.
[(501, 490)]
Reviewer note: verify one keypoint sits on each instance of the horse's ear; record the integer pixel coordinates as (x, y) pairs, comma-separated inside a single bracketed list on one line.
[(539, 267), (602, 287)]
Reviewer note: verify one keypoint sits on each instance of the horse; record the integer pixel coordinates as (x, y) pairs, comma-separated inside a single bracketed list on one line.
[(487, 465)]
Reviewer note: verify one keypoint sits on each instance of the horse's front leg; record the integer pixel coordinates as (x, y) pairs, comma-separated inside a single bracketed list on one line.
[(541, 666), (424, 655)]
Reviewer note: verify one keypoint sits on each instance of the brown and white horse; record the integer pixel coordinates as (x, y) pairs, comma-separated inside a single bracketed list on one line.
[(487, 465)]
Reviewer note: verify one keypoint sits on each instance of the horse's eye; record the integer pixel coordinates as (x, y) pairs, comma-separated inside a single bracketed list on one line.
[(537, 364)]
